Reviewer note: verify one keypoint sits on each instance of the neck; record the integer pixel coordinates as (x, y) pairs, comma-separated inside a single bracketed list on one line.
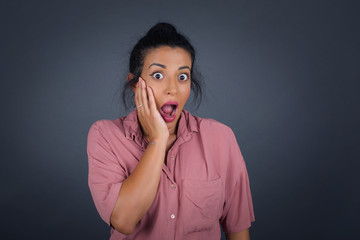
[(173, 130)]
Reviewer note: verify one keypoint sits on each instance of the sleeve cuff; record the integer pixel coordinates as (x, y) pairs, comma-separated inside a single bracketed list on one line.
[(113, 195), (239, 228)]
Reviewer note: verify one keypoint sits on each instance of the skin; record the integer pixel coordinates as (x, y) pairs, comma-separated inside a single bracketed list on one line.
[(138, 191), (163, 79), (243, 235), (166, 71)]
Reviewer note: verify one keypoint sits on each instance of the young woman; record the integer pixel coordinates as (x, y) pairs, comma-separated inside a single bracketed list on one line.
[(161, 172)]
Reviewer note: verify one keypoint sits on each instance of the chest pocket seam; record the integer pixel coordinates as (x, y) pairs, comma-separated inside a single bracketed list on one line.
[(201, 204)]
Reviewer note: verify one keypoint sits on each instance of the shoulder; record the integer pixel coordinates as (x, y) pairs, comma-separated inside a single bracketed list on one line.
[(105, 127), (209, 123), (106, 136), (215, 133), (214, 127), (104, 124)]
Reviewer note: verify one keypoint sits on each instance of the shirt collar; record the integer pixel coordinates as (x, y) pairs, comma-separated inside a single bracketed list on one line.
[(187, 124)]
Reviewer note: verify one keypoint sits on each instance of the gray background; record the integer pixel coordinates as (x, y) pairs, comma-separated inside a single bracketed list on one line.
[(284, 75)]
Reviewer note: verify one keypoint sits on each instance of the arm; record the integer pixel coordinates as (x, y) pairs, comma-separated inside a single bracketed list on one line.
[(139, 189), (243, 235), (238, 212)]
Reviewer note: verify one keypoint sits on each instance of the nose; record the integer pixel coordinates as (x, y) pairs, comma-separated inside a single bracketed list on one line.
[(171, 87)]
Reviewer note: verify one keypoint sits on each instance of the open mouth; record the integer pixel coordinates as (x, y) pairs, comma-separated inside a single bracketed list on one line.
[(168, 110)]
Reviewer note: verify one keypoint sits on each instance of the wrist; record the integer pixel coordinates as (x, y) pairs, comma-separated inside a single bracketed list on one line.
[(158, 140)]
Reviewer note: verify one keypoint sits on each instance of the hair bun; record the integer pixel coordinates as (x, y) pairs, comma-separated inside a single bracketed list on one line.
[(162, 28)]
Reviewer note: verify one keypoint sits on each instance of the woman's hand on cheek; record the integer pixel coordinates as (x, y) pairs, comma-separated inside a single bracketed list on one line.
[(150, 119)]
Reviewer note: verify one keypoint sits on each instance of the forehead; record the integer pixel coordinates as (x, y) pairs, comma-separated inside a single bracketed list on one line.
[(168, 56)]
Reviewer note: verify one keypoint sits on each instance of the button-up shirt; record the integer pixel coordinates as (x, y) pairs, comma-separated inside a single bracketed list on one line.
[(203, 183)]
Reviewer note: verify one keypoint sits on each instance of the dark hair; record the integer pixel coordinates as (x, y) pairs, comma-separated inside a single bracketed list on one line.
[(162, 34)]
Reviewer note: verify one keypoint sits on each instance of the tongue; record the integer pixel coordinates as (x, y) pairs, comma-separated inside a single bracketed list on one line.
[(168, 109)]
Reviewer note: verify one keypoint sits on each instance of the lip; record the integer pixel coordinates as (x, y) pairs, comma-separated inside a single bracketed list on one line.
[(172, 118)]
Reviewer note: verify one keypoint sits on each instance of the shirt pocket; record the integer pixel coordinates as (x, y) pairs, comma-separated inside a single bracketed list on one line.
[(202, 203)]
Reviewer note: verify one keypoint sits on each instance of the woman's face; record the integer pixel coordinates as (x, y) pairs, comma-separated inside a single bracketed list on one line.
[(167, 71)]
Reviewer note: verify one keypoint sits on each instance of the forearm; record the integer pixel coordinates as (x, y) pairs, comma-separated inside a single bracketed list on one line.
[(138, 191), (243, 235)]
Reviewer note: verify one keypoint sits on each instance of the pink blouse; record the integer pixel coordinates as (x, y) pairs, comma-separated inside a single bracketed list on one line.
[(204, 183)]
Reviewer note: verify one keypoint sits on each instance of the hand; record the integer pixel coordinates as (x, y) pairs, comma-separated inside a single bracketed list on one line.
[(153, 125)]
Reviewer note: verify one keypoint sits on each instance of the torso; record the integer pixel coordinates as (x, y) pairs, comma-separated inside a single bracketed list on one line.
[(170, 142)]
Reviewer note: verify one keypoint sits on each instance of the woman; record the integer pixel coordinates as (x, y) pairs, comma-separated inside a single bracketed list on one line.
[(161, 172)]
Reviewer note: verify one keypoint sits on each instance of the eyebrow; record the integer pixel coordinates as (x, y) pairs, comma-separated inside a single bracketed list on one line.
[(163, 66)]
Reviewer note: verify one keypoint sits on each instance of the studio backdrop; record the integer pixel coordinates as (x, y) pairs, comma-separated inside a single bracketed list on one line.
[(284, 75)]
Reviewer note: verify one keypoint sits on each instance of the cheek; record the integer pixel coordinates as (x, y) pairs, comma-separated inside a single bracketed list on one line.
[(186, 92)]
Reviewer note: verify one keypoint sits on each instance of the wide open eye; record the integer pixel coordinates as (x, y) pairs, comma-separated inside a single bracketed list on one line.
[(157, 75), (183, 77)]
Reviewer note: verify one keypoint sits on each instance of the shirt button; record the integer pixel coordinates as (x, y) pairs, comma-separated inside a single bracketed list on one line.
[(173, 186), (172, 157), (172, 216)]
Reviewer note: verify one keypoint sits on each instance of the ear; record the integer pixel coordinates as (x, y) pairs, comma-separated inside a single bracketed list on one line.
[(129, 77)]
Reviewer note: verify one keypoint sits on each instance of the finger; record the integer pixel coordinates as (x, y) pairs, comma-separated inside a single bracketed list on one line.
[(144, 98), (152, 103), (137, 98), (135, 95)]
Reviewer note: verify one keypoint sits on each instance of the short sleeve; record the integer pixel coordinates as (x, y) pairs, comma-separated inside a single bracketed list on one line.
[(105, 173), (238, 212)]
